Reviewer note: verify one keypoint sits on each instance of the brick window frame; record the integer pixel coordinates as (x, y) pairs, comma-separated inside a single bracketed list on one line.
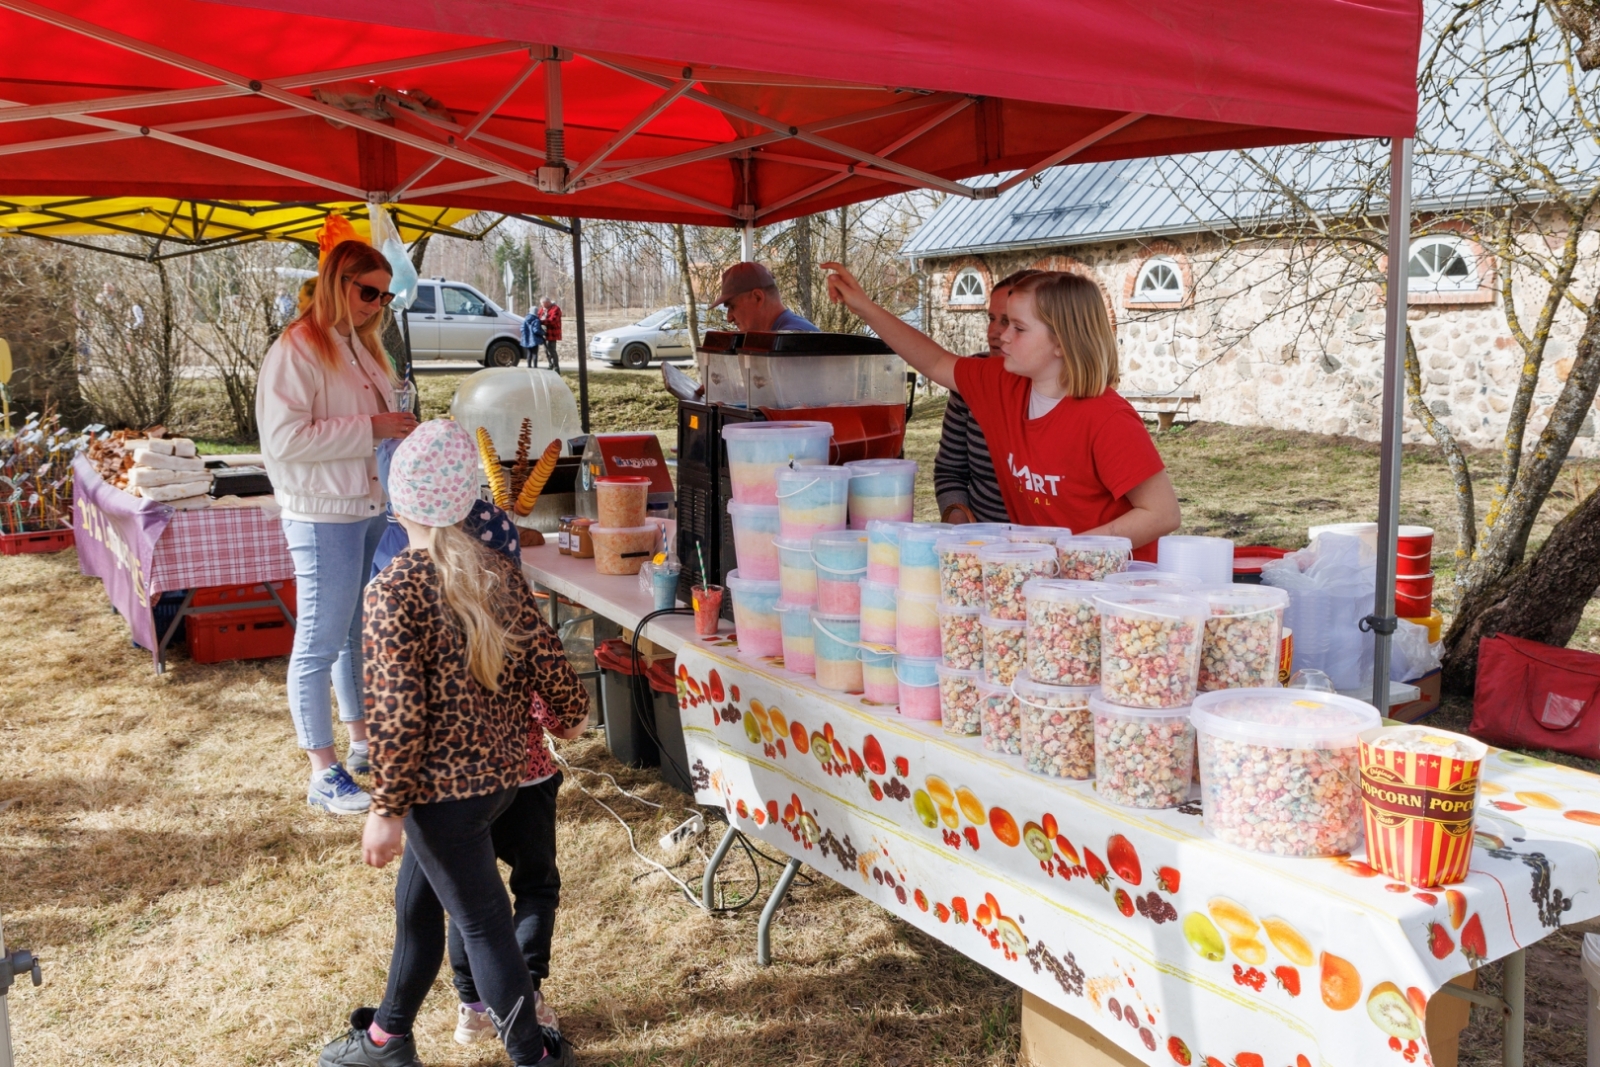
[(982, 270), (1487, 289), (1165, 250)]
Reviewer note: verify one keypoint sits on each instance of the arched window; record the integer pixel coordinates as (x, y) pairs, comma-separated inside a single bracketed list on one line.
[(1159, 282), (967, 289), (1442, 265)]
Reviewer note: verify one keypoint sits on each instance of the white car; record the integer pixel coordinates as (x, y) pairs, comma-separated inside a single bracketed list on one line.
[(660, 335), (452, 320)]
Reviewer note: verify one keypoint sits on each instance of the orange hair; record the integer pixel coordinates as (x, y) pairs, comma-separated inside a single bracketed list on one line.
[(329, 306)]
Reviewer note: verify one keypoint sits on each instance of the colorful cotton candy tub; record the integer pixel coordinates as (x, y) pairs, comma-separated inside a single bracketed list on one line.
[(758, 450), (796, 572), (755, 526), (881, 489), (919, 563), (841, 560), (812, 499), (838, 644), (878, 612), (799, 646), (919, 687), (883, 551), (755, 615), (878, 682)]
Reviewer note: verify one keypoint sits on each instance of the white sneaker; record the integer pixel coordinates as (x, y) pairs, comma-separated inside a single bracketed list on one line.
[(335, 793), (472, 1025)]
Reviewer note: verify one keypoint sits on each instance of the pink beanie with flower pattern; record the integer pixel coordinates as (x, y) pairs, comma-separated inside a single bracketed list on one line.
[(433, 478)]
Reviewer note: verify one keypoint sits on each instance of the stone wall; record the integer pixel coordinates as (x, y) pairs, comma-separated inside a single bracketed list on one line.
[(1252, 362)]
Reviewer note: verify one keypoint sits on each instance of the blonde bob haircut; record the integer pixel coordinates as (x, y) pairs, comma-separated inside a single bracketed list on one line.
[(330, 305), (1071, 307)]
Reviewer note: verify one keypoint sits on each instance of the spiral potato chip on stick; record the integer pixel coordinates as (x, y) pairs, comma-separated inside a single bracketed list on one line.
[(541, 474), (499, 487)]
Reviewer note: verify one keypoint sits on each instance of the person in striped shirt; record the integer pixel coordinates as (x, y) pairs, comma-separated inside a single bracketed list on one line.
[(964, 481)]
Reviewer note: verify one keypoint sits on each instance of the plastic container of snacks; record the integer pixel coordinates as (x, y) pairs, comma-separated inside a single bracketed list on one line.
[(1143, 757), (841, 561), (1037, 535), (758, 450), (838, 644), (621, 499), (1063, 637), (1005, 568), (796, 572), (919, 563), (916, 625), (958, 701), (960, 637), (883, 551), (755, 527), (1151, 579), (1241, 645), (878, 612), (1091, 557), (1149, 647), (878, 683), (1280, 768), (997, 710), (1057, 730), (1004, 647), (811, 499), (799, 644), (624, 549), (881, 489), (755, 615), (919, 686), (960, 571)]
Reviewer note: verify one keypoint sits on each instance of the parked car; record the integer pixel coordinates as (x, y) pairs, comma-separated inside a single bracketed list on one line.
[(452, 320), (660, 335)]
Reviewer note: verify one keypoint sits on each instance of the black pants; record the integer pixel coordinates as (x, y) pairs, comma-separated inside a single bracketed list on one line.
[(525, 839), (550, 353), (449, 866)]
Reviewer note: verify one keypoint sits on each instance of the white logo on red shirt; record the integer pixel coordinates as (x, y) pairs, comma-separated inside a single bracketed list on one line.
[(1033, 483)]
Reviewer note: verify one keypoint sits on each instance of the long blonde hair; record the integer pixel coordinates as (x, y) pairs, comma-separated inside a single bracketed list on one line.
[(329, 305), (478, 599), (1072, 308)]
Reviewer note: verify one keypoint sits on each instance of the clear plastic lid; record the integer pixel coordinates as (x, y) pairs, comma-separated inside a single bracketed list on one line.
[(754, 513), (986, 529), (1283, 718), (1061, 590), (1228, 600), (1099, 705), (795, 479), (791, 429), (956, 672), (1095, 543), (622, 479), (839, 540), (1040, 695), (959, 609), (1010, 552), (959, 544), (613, 531), (1133, 603), (924, 532), (1142, 579), (1042, 535), (989, 690), (753, 586), (865, 468), (793, 546), (989, 622), (871, 588), (881, 530)]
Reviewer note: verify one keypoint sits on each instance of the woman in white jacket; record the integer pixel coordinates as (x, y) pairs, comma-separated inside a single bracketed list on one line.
[(324, 399)]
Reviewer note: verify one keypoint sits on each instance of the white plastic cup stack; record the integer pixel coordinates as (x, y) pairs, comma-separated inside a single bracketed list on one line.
[(1209, 559)]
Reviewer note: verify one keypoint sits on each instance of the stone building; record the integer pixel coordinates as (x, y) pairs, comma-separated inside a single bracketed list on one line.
[(1197, 313)]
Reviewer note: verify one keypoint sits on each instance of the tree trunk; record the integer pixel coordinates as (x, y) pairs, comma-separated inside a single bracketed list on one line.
[(1541, 599), (36, 317), (680, 251), (802, 268)]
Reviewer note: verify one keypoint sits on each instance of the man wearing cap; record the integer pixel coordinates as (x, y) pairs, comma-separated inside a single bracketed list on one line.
[(750, 297)]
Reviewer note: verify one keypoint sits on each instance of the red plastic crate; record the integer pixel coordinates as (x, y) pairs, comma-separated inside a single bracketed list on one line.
[(231, 635), (35, 541), (218, 595)]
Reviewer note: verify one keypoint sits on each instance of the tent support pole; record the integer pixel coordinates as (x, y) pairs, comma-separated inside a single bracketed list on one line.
[(1382, 622), (747, 242), (583, 342)]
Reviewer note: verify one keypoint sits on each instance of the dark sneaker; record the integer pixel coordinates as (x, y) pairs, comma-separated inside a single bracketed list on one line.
[(356, 1048), (557, 1052)]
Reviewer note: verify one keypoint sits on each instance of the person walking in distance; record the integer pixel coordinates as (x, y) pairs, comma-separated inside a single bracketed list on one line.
[(550, 317)]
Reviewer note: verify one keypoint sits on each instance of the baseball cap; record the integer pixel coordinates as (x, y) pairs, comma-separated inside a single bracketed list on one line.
[(744, 278)]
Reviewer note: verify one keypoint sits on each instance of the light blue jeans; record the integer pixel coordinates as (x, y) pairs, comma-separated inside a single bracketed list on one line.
[(331, 564)]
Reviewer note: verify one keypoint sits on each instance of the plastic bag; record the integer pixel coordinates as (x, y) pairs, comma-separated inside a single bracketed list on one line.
[(385, 238), (1411, 655)]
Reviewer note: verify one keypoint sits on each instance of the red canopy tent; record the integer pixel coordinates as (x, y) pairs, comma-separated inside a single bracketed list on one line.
[(701, 111)]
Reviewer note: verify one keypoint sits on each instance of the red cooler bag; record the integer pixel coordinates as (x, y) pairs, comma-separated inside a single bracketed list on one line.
[(1531, 695)]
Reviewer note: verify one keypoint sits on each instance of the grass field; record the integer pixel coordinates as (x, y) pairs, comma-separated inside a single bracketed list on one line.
[(190, 909)]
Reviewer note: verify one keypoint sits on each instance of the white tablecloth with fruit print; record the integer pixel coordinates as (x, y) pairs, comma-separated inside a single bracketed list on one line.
[(1176, 946)]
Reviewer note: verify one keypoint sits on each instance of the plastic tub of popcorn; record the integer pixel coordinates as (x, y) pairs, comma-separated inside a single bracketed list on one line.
[(1143, 757), (755, 528), (919, 563), (960, 637), (1241, 645), (881, 489), (958, 701), (1063, 637), (878, 612), (799, 644), (997, 710), (1141, 578), (960, 570), (1037, 535), (1056, 730), (919, 686), (755, 615), (1006, 568), (797, 574), (1149, 647), (758, 450), (878, 681), (883, 551), (916, 625), (1280, 768), (811, 499), (623, 550), (1004, 647), (838, 646), (1092, 557), (841, 560)]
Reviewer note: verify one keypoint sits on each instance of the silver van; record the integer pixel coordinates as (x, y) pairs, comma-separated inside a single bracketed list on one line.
[(452, 320)]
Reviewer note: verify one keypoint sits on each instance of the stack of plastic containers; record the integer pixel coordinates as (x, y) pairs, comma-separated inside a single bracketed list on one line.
[(1149, 667), (623, 540), (810, 500), (841, 561), (758, 450), (1091, 558), (755, 529), (755, 615), (881, 490), (1241, 647), (1208, 560)]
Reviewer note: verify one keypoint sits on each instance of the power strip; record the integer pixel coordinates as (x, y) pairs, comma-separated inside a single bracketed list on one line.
[(693, 827)]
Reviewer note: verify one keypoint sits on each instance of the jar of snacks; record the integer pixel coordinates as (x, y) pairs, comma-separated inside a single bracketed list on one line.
[(958, 701), (960, 573), (960, 638), (1004, 647), (1056, 730), (1063, 634), (1005, 568), (997, 708), (1239, 649), (1090, 558), (1280, 768), (1149, 647), (1143, 757)]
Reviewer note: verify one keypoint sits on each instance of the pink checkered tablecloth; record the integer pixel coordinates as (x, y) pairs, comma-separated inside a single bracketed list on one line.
[(220, 546)]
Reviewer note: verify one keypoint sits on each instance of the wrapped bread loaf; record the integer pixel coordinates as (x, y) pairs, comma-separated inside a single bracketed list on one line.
[(176, 490), (145, 477), (146, 457)]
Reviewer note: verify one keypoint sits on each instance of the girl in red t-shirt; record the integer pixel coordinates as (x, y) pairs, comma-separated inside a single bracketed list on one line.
[(1067, 449)]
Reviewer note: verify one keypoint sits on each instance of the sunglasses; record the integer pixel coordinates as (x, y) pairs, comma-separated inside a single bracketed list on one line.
[(372, 294)]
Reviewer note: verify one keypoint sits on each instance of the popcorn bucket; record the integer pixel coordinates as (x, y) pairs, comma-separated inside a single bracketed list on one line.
[(1419, 787)]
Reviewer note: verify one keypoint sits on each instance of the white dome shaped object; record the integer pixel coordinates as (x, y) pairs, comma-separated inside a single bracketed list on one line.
[(499, 398)]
